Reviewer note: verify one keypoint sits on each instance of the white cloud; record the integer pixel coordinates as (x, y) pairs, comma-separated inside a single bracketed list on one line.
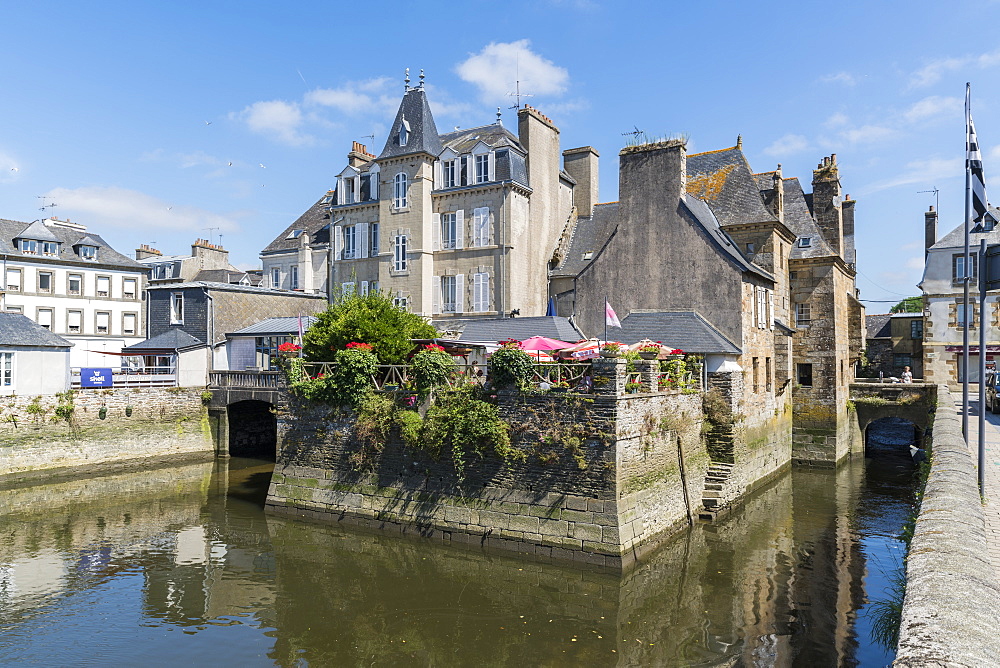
[(933, 71), (867, 134), (131, 209), (840, 77), (837, 120), (496, 68), (920, 172), (932, 106), (280, 120), (10, 169), (993, 154), (356, 97), (787, 145)]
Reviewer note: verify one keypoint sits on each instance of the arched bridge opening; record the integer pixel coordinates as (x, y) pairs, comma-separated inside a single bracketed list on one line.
[(892, 437), (253, 429)]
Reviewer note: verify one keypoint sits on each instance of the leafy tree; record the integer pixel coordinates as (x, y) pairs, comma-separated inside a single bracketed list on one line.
[(909, 305), (372, 319)]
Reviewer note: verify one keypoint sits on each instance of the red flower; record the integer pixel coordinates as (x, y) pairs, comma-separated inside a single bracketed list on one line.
[(289, 347), (435, 347), (364, 347), (676, 351)]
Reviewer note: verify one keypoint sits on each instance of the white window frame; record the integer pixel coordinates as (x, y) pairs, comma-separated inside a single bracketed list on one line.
[(104, 281), (481, 227), (88, 253), (29, 246), (448, 234), (482, 163), (449, 294), (105, 318), (803, 314), (293, 277), (449, 173), (6, 369), (276, 277), (69, 284), (52, 277), (399, 262), (480, 292), (805, 242), (134, 318), (177, 308), (74, 325), (51, 316), (400, 183), (130, 294), (50, 248), (374, 240), (14, 287), (350, 248)]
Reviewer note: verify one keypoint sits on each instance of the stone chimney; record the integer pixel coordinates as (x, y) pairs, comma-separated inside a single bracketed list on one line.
[(581, 164), (210, 256), (827, 203), (145, 250), (778, 199), (930, 228), (651, 171), (359, 155)]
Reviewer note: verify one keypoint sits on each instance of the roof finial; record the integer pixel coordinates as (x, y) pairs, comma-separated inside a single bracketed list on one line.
[(421, 78), (499, 116), (739, 142), (406, 81)]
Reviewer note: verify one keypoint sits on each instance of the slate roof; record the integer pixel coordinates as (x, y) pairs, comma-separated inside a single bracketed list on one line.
[(687, 330), (314, 219), (37, 230), (877, 326), (275, 327), (173, 339), (106, 256), (554, 327), (493, 135), (723, 179), (423, 135), (706, 217), (222, 276), (799, 219), (230, 287), (588, 236), (17, 330), (956, 238)]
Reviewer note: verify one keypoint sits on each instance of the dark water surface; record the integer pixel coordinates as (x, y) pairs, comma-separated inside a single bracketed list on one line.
[(179, 566)]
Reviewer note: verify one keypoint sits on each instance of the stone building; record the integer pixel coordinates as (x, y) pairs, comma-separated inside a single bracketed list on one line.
[(767, 266), (454, 226), (207, 262), (942, 286), (893, 341)]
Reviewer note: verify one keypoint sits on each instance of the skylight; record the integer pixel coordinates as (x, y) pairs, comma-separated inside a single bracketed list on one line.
[(295, 234)]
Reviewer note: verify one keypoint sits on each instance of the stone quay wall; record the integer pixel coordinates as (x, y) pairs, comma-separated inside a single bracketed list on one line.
[(43, 435), (952, 594), (604, 477)]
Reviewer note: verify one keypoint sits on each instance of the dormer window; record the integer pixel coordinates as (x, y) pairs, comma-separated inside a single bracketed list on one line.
[(404, 132), (805, 242), (88, 253), (50, 248), (29, 246), (483, 168), (448, 170)]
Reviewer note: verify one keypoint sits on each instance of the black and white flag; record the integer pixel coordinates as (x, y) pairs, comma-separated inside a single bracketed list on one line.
[(975, 166)]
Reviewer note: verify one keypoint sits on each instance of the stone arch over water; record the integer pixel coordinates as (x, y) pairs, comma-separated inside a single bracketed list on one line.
[(252, 429), (891, 436)]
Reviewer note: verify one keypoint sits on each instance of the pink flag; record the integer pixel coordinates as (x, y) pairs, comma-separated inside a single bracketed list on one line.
[(610, 317), (300, 329)]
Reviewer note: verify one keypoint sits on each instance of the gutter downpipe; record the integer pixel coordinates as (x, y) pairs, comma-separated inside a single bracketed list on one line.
[(503, 251)]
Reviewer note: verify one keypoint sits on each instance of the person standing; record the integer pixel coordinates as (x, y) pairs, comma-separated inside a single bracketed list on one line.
[(907, 375)]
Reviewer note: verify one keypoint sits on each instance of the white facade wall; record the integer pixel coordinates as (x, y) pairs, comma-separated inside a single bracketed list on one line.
[(59, 309), (38, 370)]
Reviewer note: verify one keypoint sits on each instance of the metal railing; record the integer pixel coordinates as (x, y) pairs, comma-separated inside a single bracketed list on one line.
[(573, 374), (149, 376), (244, 379)]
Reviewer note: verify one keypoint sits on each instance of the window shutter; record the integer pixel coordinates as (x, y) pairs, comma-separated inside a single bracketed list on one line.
[(338, 243), (438, 175), (436, 295), (361, 239), (770, 309), (364, 288), (460, 293), (459, 229), (491, 176), (356, 182), (435, 231)]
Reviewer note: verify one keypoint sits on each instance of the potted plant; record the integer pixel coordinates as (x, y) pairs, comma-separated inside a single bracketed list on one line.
[(675, 353), (611, 349), (650, 351), (632, 388)]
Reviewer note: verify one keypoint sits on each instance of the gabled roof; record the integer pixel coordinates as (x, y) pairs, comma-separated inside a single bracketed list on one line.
[(172, 340), (275, 327), (39, 231), (877, 326), (17, 330), (687, 330), (956, 238), (587, 237), (554, 327), (422, 135), (705, 216), (723, 179), (231, 287), (314, 219), (68, 237), (88, 240), (495, 136), (799, 219)]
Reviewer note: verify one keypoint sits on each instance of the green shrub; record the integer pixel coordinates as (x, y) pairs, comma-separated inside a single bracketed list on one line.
[(510, 367), (463, 427), (431, 368), (410, 425), (348, 383)]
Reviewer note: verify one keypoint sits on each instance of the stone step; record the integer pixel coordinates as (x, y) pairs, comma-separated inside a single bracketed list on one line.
[(713, 486), (710, 503), (710, 494)]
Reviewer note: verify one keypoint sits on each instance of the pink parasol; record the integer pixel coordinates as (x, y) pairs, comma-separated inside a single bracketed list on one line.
[(542, 343), (584, 350)]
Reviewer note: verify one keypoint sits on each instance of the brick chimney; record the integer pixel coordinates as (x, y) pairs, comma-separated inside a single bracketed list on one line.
[(827, 203), (210, 256), (359, 155), (145, 250), (930, 228), (581, 164)]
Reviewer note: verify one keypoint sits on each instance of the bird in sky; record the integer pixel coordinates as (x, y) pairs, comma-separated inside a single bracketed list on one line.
[(230, 163), (169, 208), (262, 166), (14, 169), (208, 122)]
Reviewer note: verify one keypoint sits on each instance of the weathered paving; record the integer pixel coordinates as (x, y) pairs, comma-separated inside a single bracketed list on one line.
[(952, 596)]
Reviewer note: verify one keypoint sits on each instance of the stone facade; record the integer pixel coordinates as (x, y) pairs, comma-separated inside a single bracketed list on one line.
[(604, 476), (42, 435)]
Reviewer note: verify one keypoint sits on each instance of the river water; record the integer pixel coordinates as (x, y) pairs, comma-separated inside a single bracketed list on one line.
[(180, 566)]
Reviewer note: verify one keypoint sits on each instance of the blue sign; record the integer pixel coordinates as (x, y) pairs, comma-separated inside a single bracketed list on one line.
[(96, 378)]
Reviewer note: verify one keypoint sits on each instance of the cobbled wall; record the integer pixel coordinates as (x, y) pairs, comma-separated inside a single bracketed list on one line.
[(41, 435)]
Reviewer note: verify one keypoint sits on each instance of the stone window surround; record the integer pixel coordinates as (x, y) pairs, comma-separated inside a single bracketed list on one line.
[(135, 323)]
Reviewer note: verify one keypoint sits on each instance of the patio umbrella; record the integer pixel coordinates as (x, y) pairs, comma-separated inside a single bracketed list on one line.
[(584, 350), (536, 344)]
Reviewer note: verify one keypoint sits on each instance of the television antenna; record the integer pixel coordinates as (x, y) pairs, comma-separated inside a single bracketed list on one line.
[(936, 197), (45, 204), (517, 95), (372, 137), (635, 133), (210, 230)]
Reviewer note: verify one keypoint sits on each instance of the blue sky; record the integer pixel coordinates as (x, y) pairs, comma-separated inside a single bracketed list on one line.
[(128, 115)]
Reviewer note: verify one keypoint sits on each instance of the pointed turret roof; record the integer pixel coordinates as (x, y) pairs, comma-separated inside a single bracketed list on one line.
[(415, 117)]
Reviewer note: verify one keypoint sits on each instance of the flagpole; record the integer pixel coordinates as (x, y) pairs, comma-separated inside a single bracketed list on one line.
[(606, 302), (965, 272), (982, 365)]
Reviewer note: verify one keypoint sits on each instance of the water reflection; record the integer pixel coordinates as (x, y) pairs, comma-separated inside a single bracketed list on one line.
[(180, 564)]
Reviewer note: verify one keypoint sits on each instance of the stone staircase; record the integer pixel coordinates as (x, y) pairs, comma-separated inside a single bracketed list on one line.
[(712, 499)]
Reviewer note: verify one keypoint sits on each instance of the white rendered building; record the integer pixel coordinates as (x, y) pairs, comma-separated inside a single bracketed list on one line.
[(73, 284)]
